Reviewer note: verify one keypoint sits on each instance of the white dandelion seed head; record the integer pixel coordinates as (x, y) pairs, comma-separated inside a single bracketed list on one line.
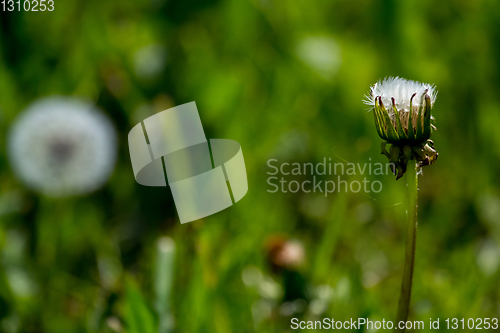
[(401, 90), (62, 146)]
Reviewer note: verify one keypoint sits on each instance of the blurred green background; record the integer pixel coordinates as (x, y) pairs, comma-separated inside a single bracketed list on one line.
[(286, 80)]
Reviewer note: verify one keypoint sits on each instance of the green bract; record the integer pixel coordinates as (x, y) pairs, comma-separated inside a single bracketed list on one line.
[(403, 128)]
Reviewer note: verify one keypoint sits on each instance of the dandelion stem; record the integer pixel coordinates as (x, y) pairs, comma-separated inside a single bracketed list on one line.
[(411, 237)]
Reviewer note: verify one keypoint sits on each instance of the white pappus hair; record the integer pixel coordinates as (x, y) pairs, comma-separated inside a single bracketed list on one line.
[(401, 90)]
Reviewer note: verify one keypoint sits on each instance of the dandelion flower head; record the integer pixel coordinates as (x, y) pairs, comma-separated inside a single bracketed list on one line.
[(62, 146)]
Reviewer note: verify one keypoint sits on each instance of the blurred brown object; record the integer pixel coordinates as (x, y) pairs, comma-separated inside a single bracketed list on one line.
[(286, 257), (284, 253)]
